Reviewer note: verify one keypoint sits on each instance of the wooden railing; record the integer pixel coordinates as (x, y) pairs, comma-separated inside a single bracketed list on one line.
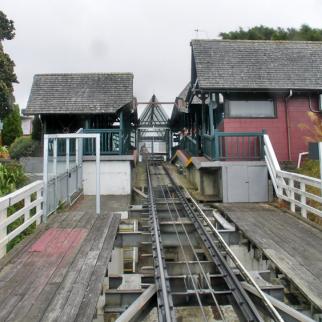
[(301, 192), (19, 210), (233, 146), (112, 142)]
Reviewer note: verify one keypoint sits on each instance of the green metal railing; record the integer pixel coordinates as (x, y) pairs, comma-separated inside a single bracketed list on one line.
[(233, 146), (61, 147), (190, 145), (112, 142)]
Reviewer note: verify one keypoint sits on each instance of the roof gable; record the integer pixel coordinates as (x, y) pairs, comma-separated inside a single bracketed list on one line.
[(245, 64), (80, 93), (154, 114)]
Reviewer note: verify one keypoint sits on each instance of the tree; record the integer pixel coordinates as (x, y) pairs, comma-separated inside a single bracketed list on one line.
[(36, 128), (7, 75), (304, 33), (11, 126)]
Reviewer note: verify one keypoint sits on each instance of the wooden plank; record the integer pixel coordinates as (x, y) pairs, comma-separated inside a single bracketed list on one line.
[(88, 308), (36, 269), (55, 253), (76, 296), (58, 303), (134, 309), (290, 243), (47, 294), (19, 253), (23, 281)]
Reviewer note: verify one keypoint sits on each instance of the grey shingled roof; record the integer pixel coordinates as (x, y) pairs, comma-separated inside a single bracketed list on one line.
[(80, 93), (184, 93), (248, 64)]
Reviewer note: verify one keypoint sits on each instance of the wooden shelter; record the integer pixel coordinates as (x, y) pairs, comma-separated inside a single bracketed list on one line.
[(95, 102)]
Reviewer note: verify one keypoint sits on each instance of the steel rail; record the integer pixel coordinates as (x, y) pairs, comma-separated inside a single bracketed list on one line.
[(162, 280), (196, 256), (238, 264), (185, 257), (246, 306)]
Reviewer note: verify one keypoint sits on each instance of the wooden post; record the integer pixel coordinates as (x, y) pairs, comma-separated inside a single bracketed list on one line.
[(27, 202), (38, 208), (292, 196), (3, 232), (303, 200)]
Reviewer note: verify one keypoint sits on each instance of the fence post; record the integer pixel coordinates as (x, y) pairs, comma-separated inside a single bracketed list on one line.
[(303, 200), (292, 196), (38, 208), (3, 231), (27, 202)]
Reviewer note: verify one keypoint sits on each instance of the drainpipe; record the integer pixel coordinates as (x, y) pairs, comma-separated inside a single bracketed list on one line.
[(288, 125)]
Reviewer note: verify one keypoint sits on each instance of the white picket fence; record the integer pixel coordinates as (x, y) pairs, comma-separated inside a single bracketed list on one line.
[(292, 187), (32, 202)]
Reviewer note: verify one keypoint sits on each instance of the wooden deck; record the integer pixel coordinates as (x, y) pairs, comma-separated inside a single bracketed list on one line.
[(57, 273), (293, 245)]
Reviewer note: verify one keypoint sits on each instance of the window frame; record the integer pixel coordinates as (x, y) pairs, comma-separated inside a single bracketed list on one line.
[(227, 108)]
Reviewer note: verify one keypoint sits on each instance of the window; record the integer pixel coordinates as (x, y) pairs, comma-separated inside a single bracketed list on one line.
[(251, 108)]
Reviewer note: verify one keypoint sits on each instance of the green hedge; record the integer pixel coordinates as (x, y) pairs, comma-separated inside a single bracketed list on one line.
[(23, 147)]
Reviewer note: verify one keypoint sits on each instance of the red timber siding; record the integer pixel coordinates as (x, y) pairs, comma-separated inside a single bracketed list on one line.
[(277, 129)]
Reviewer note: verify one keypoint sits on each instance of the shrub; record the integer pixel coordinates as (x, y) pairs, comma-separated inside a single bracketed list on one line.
[(310, 168), (11, 126), (12, 177), (23, 147), (36, 129)]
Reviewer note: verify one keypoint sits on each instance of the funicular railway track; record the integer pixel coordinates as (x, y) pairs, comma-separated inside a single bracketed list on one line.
[(204, 279)]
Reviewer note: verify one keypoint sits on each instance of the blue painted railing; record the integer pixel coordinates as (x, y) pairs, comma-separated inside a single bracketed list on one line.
[(233, 146)]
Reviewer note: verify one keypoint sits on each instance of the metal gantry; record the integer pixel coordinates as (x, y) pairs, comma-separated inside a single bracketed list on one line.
[(153, 133)]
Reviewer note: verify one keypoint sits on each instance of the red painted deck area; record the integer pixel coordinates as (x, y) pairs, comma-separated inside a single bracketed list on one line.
[(57, 273)]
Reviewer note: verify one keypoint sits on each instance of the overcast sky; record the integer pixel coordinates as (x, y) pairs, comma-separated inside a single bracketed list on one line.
[(149, 38)]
